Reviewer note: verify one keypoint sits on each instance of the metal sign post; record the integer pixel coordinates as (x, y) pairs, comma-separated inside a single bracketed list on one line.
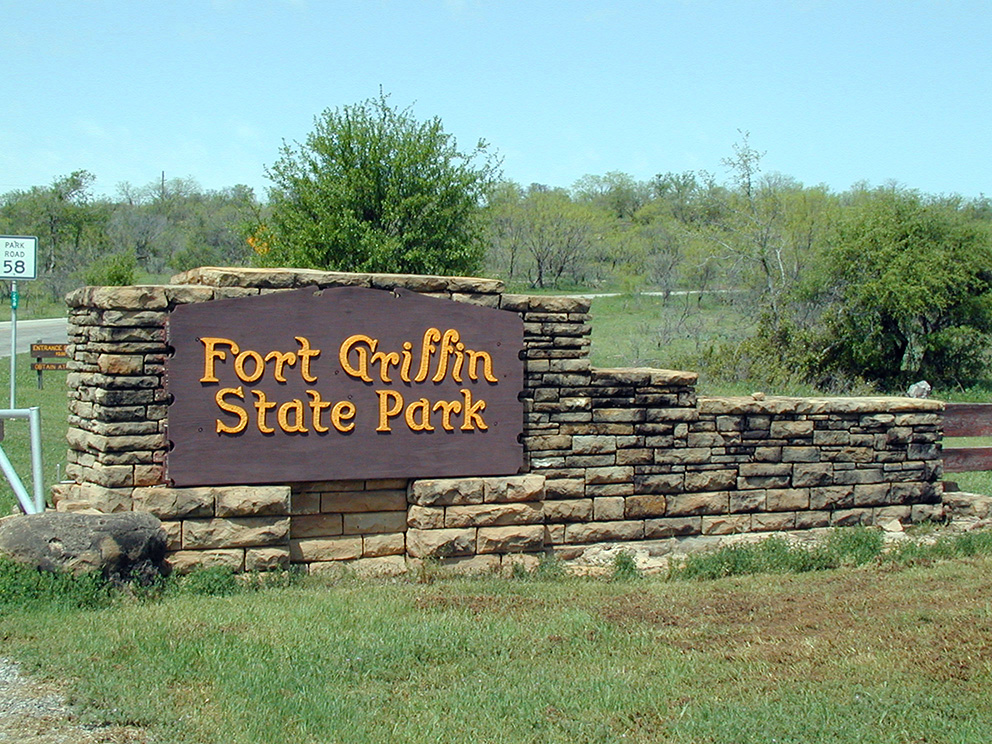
[(18, 260)]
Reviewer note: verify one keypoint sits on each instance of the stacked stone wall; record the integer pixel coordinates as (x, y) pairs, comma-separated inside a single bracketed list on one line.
[(609, 454)]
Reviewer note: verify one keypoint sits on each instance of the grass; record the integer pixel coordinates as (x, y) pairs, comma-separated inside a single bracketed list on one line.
[(53, 401), (895, 652)]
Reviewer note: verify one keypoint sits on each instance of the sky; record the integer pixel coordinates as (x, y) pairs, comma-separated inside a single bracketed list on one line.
[(834, 92)]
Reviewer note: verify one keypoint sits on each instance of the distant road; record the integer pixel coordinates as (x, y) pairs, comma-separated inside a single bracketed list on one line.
[(45, 330)]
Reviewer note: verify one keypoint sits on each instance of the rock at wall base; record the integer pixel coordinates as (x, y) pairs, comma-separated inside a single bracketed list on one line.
[(124, 547)]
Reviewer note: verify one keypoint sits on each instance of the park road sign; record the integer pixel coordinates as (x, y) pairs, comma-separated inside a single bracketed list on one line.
[(18, 257)]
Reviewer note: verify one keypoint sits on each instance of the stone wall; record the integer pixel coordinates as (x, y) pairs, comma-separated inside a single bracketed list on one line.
[(610, 454)]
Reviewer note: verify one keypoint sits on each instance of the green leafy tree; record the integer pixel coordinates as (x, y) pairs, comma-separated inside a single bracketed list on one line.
[(374, 189), (911, 285)]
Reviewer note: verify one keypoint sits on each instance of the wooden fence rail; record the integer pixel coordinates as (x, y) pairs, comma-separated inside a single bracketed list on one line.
[(967, 420)]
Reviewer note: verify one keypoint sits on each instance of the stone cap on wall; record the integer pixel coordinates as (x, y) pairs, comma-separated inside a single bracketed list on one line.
[(643, 376), (780, 404), (215, 276)]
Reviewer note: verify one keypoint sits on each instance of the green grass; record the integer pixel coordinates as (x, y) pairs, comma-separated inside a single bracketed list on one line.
[(53, 402), (648, 331), (878, 654)]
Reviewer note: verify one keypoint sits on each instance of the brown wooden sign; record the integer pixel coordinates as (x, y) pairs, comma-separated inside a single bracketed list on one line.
[(41, 351), (343, 383)]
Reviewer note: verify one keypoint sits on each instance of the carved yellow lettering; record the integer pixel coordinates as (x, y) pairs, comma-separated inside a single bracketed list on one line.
[(456, 372), (344, 410), (423, 407), (281, 358), (211, 353), (297, 426), (407, 359), (431, 335), (306, 354), (263, 405), (473, 365), (317, 405), (237, 410), (384, 360), (239, 365), (448, 407), (352, 342), (448, 342), (387, 410), (473, 418)]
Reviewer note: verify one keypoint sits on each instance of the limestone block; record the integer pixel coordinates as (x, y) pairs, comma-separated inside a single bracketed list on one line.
[(826, 438), (790, 429), (266, 559), (657, 529), (645, 505), (311, 549), (800, 454), (236, 532), (817, 474), (391, 543), (564, 488), (548, 442), (593, 445), (440, 543), (831, 497), (568, 510), (118, 298), (251, 501), (691, 504), (635, 456), (850, 517), (315, 525), (604, 531), (184, 561), (516, 488), (726, 524), (662, 483), (304, 503), (121, 364), (683, 456), (710, 480), (773, 522), (510, 539), (609, 475), (608, 508), (374, 522), (109, 476), (350, 502), (149, 475), (871, 494), (787, 499), (447, 491), (747, 501), (175, 503), (763, 481), (91, 497), (904, 493), (487, 515), (387, 484), (808, 520), (425, 517), (554, 534)]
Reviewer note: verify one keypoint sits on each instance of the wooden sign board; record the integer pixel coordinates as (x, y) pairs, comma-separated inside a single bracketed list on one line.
[(344, 383)]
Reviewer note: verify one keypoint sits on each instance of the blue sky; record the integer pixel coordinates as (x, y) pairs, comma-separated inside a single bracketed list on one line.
[(834, 92)]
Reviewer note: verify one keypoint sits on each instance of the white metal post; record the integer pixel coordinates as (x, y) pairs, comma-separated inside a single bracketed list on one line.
[(13, 342)]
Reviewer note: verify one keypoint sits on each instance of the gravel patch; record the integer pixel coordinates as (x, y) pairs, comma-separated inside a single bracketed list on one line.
[(36, 713)]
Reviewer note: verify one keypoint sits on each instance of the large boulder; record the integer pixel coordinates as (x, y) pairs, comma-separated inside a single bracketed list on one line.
[(122, 546)]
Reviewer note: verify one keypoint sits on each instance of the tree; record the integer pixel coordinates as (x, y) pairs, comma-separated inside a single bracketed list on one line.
[(911, 290), (373, 189), (69, 222)]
